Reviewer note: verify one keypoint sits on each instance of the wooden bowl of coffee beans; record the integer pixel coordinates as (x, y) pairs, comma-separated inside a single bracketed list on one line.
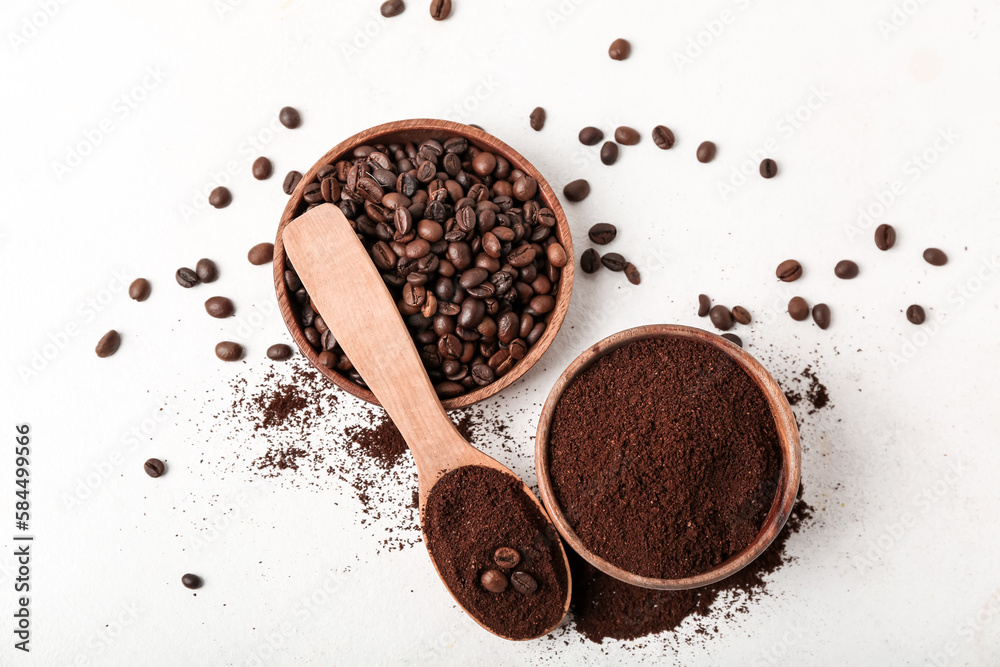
[(470, 239)]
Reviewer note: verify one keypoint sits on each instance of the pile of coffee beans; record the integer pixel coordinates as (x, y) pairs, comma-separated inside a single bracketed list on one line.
[(465, 245), (591, 260)]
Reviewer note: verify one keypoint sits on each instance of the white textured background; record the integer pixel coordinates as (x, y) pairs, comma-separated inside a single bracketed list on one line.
[(145, 105)]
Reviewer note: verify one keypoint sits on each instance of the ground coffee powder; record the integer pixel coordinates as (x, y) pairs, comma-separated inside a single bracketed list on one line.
[(473, 511), (664, 457)]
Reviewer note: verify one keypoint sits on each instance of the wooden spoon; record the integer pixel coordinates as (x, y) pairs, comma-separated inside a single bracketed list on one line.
[(348, 292)]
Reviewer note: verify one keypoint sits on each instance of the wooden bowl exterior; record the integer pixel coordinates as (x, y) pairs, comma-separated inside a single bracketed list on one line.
[(788, 436), (417, 130)]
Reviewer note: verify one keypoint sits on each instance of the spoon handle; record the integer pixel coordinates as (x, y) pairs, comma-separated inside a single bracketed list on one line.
[(355, 303)]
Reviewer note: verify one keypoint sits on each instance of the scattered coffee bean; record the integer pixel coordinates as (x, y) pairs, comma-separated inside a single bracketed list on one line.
[(506, 557), (789, 271), (391, 8), (291, 181), (632, 274), (885, 237), (590, 136), (663, 137), (290, 117), (798, 308), (704, 305), (262, 168), (108, 344), (577, 190), (609, 153), (614, 261), (279, 352), (220, 197), (154, 467), (846, 269), (915, 314), (440, 9), (192, 581), (741, 315), (260, 254), (590, 260), (494, 581), (721, 318), (186, 277), (620, 49), (733, 338), (603, 233), (537, 119), (935, 257), (523, 583), (229, 351), (206, 270), (768, 168), (627, 136), (821, 315), (706, 152), (139, 289), (220, 307)]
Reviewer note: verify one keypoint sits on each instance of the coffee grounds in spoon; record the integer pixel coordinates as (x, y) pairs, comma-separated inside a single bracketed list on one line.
[(471, 513), (664, 457)]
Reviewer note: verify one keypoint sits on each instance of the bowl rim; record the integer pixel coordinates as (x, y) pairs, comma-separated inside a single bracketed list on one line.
[(382, 134), (788, 436)]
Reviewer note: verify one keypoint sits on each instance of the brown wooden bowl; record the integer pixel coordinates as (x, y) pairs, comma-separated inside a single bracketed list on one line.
[(417, 130), (788, 436)]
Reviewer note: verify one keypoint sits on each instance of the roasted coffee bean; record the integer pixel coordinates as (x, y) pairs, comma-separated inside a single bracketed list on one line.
[(821, 315), (885, 237), (620, 49), (262, 253), (391, 8), (721, 318), (220, 307), (935, 257), (518, 348), (108, 344), (845, 269), (542, 304), (139, 289), (523, 583), (312, 336), (536, 333), (556, 255), (154, 467), (915, 314), (229, 351), (603, 233), (521, 256), (768, 168), (494, 581), (291, 181), (706, 152), (704, 305), (192, 581), (290, 117), (482, 374), (440, 9), (590, 260), (472, 313), (733, 338), (609, 153), (473, 277), (741, 315), (207, 271), (789, 271), (220, 197), (506, 558), (590, 136), (798, 308), (525, 188), (627, 136), (327, 359), (484, 163), (614, 261), (449, 389), (186, 277), (663, 137), (279, 352), (328, 341), (537, 119), (449, 346), (632, 274), (262, 168)]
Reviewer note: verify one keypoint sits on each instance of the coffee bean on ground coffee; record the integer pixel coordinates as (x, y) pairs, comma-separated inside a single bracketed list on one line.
[(664, 457), (620, 49), (537, 119), (470, 513), (663, 137), (609, 153), (206, 270), (108, 344), (706, 152), (139, 289)]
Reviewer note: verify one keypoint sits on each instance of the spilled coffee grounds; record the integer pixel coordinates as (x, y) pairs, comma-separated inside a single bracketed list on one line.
[(664, 457), (473, 511)]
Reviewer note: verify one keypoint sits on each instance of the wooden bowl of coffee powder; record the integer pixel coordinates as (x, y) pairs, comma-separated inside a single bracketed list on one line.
[(667, 457)]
